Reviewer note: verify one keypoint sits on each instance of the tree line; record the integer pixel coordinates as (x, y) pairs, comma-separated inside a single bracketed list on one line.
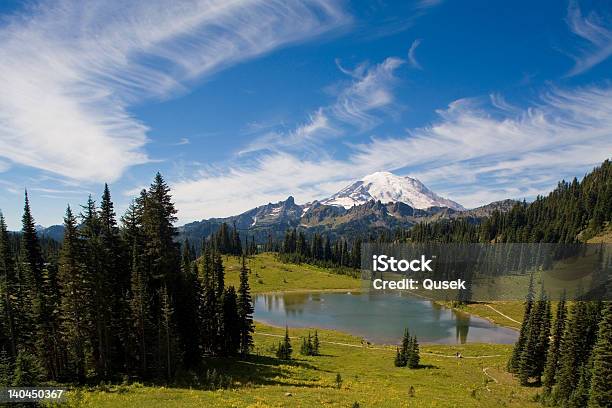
[(570, 355), (117, 299), (297, 247), (574, 211)]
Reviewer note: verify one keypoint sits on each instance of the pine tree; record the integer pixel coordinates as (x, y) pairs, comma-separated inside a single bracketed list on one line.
[(187, 309), (245, 311), (552, 360), (6, 369), (8, 293), (284, 349), (28, 371), (315, 343), (531, 360), (30, 280), (601, 375), (573, 354), (76, 297), (400, 361), (513, 363), (168, 347), (140, 315), (208, 306), (115, 273), (413, 355), (231, 322)]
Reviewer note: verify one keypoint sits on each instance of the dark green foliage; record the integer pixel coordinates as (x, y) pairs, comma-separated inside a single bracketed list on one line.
[(574, 211), (413, 355), (601, 374), (116, 301), (519, 346), (227, 241), (231, 323), (310, 345), (9, 289), (338, 381), (407, 354), (531, 361), (552, 359), (28, 371), (245, 310), (76, 307), (316, 249), (576, 346), (284, 349), (6, 369), (315, 343)]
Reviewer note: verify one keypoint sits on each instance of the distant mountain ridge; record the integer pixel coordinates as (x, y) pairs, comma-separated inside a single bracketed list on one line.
[(376, 202)]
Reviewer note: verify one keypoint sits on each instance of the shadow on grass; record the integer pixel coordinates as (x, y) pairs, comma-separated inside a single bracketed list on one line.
[(262, 370)]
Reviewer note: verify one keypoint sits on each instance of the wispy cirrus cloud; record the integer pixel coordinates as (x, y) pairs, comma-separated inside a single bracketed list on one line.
[(412, 54), (369, 90), (474, 153), (594, 29), (71, 70)]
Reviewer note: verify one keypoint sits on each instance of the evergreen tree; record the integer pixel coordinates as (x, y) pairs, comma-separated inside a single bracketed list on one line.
[(208, 305), (6, 369), (400, 361), (315, 343), (552, 360), (284, 349), (187, 308), (245, 310), (601, 375), (169, 352), (28, 371), (9, 336), (413, 355), (574, 352), (76, 297), (231, 322), (531, 360), (517, 351), (30, 281), (140, 315), (115, 272)]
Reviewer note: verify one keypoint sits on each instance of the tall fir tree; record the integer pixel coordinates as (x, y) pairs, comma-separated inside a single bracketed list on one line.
[(519, 346), (9, 335), (245, 310), (601, 376), (552, 359), (76, 300)]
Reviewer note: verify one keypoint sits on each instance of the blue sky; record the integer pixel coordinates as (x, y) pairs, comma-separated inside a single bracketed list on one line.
[(245, 102)]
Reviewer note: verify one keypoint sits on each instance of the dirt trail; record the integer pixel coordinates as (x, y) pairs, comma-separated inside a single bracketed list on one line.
[(506, 316), (380, 348)]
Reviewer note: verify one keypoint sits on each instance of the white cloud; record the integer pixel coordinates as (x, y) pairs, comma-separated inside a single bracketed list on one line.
[(370, 89), (70, 70), (301, 137), (474, 154), (412, 54), (594, 30)]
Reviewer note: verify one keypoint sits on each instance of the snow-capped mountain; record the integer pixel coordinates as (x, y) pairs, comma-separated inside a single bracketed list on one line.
[(387, 187)]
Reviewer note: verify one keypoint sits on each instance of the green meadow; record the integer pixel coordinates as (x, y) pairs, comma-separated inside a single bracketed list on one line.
[(368, 376)]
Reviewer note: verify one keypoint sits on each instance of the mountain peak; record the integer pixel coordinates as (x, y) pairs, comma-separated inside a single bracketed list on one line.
[(388, 187)]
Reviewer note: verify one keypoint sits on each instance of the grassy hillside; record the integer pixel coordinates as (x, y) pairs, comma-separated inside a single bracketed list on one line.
[(270, 275), (368, 377)]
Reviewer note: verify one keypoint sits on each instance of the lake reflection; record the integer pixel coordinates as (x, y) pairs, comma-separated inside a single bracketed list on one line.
[(379, 318)]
